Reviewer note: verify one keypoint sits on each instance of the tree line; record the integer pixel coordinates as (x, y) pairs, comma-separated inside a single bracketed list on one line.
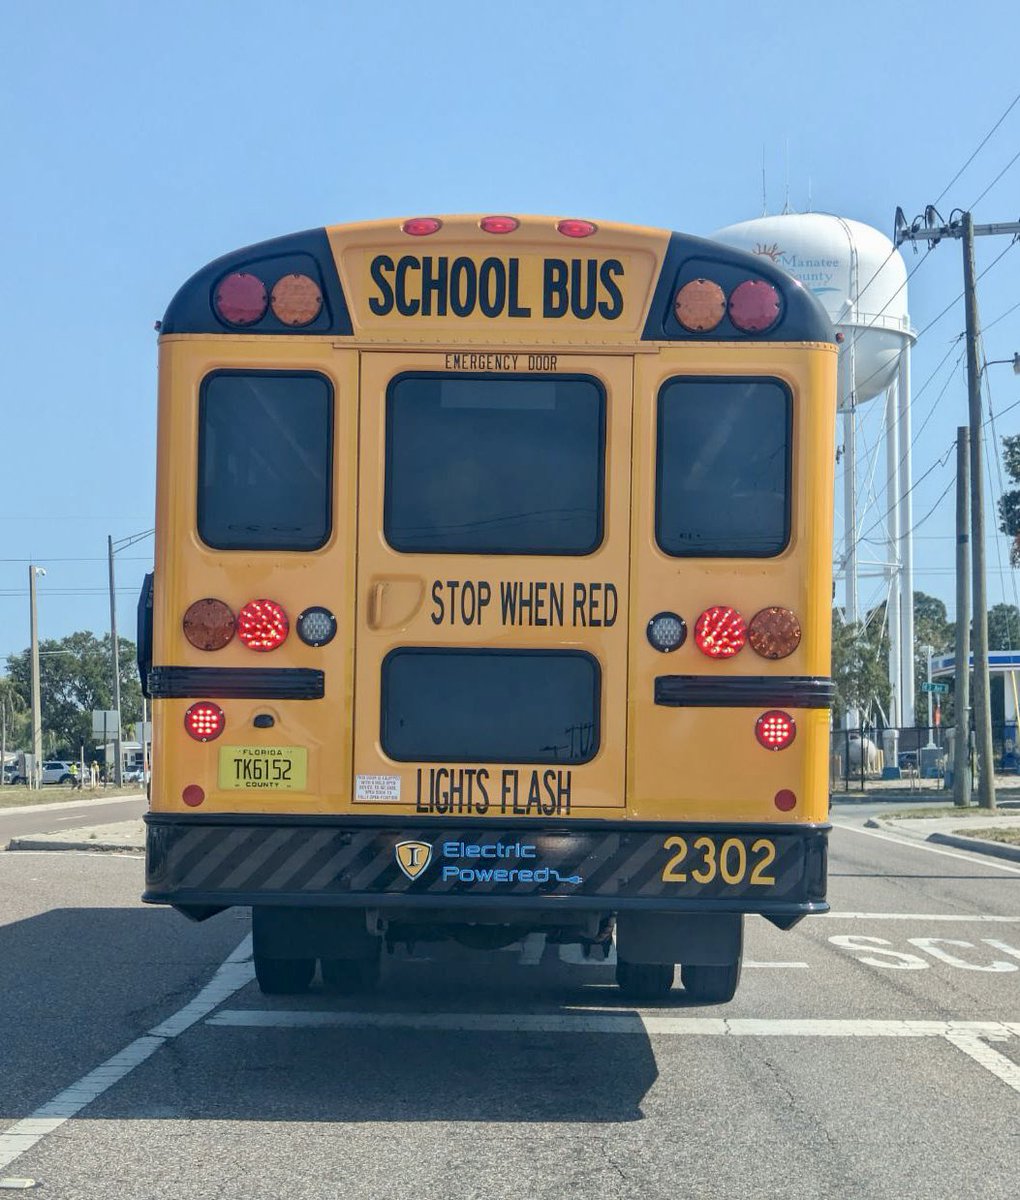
[(860, 654), (75, 677)]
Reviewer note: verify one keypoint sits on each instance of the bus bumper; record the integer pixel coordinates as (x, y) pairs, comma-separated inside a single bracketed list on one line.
[(204, 863)]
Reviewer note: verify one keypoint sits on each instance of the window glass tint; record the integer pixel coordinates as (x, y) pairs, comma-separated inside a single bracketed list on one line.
[(529, 706), (265, 460), (723, 467), (494, 466)]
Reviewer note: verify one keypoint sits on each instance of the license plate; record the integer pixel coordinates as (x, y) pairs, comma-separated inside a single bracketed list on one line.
[(264, 768)]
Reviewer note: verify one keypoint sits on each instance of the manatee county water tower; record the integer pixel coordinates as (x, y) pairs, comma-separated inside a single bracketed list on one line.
[(861, 280)]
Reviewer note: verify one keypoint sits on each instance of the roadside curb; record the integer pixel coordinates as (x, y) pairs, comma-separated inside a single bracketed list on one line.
[(995, 849), (48, 842), (959, 841)]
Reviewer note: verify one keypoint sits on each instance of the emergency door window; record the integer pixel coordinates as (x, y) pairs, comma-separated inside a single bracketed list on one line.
[(265, 460), (510, 706), (723, 468), (507, 465)]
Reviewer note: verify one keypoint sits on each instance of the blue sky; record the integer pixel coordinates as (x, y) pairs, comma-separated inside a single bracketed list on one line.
[(140, 141)]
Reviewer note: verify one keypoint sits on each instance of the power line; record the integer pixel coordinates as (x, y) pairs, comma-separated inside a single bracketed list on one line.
[(996, 179), (981, 145)]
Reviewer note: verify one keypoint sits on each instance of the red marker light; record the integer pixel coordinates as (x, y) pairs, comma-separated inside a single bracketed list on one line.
[(754, 306), (775, 730), (193, 795), (205, 721), (422, 226), (499, 224), (241, 299), (785, 800), (720, 632), (262, 625), (576, 229)]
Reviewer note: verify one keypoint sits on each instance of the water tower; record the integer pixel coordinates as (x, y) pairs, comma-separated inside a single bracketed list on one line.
[(861, 280)]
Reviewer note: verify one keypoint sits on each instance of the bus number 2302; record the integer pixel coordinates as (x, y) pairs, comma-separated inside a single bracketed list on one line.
[(705, 860)]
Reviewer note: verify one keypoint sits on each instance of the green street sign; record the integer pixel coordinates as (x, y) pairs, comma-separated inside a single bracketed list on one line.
[(940, 689)]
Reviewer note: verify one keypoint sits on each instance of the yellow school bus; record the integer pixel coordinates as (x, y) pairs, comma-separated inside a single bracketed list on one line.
[(491, 596)]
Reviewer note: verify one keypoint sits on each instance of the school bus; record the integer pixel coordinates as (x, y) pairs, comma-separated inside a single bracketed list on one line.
[(491, 596)]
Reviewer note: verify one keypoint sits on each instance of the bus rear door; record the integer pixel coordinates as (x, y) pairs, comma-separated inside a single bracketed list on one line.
[(492, 608)]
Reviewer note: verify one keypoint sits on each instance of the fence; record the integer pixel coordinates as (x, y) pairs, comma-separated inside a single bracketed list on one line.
[(920, 757)]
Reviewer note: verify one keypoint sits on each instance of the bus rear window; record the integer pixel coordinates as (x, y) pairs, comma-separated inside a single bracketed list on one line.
[(265, 460), (723, 468), (512, 706), (508, 465)]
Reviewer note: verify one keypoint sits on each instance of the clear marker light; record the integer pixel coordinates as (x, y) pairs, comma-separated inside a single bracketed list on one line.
[(666, 631), (316, 626)]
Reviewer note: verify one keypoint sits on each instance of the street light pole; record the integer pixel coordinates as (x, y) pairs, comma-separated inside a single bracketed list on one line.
[(118, 761), (34, 571)]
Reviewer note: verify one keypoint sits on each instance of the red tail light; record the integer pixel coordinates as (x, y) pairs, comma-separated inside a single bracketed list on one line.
[(720, 632), (576, 229), (775, 730), (422, 226), (241, 299), (262, 625), (205, 721), (499, 224)]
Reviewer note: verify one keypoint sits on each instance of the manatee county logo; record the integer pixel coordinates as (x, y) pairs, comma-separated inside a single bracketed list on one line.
[(412, 857)]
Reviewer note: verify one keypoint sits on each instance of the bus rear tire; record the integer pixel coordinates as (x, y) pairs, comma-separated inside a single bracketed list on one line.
[(283, 976), (350, 974), (646, 982), (712, 985)]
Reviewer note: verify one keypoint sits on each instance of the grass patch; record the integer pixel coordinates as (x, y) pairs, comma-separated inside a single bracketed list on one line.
[(1011, 837), (21, 797), (939, 810)]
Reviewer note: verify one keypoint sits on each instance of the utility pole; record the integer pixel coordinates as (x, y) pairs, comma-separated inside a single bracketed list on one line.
[(932, 229), (979, 589), (118, 761), (33, 571), (961, 741)]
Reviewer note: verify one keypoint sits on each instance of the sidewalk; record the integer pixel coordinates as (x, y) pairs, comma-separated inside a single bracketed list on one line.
[(959, 830), (121, 835)]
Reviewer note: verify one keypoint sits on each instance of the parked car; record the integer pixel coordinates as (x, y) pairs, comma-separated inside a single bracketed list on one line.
[(57, 771)]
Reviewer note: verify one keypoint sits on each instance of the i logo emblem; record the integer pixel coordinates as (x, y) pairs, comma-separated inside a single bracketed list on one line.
[(413, 857)]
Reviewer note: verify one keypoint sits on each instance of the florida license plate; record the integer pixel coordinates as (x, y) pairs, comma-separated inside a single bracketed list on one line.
[(264, 768)]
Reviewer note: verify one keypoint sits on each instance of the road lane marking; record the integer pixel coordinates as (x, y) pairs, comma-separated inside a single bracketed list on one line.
[(234, 973), (783, 966), (872, 916), (623, 1022), (987, 1057), (916, 845)]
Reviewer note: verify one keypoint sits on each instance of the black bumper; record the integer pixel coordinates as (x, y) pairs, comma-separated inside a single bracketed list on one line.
[(219, 860)]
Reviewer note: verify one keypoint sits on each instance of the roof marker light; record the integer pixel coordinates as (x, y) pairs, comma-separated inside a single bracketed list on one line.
[(422, 226), (576, 229), (754, 306), (499, 224), (241, 298)]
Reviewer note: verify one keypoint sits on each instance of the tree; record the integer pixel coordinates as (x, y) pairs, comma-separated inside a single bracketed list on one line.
[(1003, 627), (932, 627), (1009, 502), (860, 654), (13, 716), (75, 677)]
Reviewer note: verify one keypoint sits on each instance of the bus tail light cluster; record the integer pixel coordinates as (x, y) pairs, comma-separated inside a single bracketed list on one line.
[(721, 632), (242, 298), (754, 305), (261, 625), (775, 729)]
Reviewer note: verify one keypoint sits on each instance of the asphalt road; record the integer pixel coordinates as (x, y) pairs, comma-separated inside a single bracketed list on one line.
[(841, 1069), (67, 814)]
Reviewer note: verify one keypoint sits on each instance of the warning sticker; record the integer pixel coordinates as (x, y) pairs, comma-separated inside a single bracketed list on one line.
[(377, 788)]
